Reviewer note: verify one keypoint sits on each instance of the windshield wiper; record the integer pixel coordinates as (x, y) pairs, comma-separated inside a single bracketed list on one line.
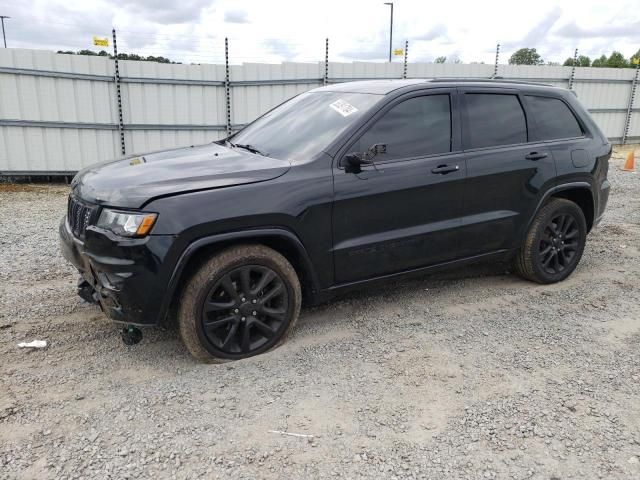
[(250, 148)]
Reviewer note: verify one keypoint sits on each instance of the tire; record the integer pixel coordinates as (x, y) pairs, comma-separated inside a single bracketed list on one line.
[(228, 309), (554, 243)]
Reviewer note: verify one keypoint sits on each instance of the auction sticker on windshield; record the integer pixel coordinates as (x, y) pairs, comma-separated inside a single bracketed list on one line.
[(343, 108)]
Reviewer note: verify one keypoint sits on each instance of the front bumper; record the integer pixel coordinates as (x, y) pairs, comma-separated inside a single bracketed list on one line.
[(126, 274)]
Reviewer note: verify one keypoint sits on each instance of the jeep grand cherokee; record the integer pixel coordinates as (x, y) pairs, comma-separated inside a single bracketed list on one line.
[(334, 188)]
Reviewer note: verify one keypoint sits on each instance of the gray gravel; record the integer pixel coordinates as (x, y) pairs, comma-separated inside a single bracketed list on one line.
[(471, 374)]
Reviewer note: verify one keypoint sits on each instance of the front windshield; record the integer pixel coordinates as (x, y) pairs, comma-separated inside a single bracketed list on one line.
[(305, 125)]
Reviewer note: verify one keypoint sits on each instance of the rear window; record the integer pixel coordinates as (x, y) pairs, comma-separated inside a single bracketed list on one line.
[(494, 119), (554, 119)]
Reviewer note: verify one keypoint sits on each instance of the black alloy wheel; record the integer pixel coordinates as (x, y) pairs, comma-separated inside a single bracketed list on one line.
[(554, 243), (242, 301), (245, 310), (559, 243)]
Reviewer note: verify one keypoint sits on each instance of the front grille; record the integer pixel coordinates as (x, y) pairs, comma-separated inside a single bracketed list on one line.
[(79, 215)]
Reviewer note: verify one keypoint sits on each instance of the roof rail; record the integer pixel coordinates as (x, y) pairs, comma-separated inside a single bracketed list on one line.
[(487, 80)]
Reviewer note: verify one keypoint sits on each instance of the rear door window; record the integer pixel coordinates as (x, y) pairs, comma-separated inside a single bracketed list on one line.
[(417, 127), (494, 119), (554, 119)]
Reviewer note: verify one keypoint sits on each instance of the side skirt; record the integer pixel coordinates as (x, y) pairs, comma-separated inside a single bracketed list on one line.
[(498, 255)]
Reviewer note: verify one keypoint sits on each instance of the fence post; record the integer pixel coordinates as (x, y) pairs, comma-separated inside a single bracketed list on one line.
[(325, 80), (495, 67), (118, 93), (227, 86), (627, 122), (573, 69), (406, 53)]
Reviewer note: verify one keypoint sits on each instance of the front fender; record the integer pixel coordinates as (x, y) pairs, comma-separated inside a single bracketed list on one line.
[(281, 239)]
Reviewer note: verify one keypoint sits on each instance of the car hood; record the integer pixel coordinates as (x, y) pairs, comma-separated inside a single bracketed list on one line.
[(133, 181)]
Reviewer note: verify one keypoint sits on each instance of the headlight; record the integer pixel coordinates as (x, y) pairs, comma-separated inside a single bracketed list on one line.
[(127, 224)]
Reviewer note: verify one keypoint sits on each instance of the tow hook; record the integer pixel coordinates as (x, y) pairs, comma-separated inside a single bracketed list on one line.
[(87, 292), (131, 335)]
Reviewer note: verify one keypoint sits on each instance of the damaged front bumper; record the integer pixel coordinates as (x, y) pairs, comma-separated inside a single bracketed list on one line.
[(122, 275)]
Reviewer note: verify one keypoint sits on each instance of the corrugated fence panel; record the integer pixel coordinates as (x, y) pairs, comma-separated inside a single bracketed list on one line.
[(634, 127), (249, 100), (605, 92), (51, 98), (58, 113), (358, 70), (180, 96), (443, 70)]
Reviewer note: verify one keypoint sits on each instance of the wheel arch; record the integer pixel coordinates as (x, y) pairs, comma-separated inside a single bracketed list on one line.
[(579, 193), (581, 196), (279, 239)]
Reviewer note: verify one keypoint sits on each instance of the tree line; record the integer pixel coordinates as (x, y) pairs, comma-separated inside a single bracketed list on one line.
[(529, 56), (524, 56), (121, 56)]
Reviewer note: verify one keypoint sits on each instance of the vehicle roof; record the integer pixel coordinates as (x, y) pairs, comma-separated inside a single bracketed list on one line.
[(383, 87)]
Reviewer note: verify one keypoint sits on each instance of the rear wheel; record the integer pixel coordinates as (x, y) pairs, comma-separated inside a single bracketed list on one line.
[(554, 244), (242, 302)]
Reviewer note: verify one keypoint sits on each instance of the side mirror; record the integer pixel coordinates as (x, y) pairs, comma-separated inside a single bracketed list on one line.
[(352, 162)]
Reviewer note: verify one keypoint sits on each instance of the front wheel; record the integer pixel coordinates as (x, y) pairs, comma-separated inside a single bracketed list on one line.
[(554, 244), (241, 302)]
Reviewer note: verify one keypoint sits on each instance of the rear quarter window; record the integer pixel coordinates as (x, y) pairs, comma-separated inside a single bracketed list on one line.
[(554, 119)]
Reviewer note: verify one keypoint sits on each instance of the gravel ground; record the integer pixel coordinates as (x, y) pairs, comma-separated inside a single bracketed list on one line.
[(472, 374)]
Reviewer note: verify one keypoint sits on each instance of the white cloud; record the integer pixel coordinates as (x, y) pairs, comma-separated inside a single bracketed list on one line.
[(194, 30), (236, 16)]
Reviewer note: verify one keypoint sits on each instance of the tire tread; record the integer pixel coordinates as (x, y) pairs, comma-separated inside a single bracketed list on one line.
[(523, 262), (188, 306)]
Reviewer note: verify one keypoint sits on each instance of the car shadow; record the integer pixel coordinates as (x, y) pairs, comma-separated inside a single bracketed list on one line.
[(325, 316), (393, 287)]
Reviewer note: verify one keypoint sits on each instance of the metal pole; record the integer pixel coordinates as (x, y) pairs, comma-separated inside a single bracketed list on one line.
[(390, 30), (4, 37), (326, 63), (227, 86), (495, 67), (627, 122), (406, 52), (118, 93), (573, 69)]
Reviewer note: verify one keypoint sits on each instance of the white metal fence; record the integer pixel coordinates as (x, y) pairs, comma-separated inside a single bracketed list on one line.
[(59, 113)]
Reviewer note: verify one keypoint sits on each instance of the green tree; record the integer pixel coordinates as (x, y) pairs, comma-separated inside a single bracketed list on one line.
[(634, 58), (526, 56), (583, 61), (440, 60), (600, 62), (617, 60)]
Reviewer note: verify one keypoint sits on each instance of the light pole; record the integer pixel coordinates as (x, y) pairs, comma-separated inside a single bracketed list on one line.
[(2, 17), (390, 30)]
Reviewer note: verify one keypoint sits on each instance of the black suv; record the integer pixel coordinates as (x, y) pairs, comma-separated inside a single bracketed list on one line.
[(337, 186)]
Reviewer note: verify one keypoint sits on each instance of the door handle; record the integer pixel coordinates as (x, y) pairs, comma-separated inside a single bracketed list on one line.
[(444, 169), (535, 156)]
